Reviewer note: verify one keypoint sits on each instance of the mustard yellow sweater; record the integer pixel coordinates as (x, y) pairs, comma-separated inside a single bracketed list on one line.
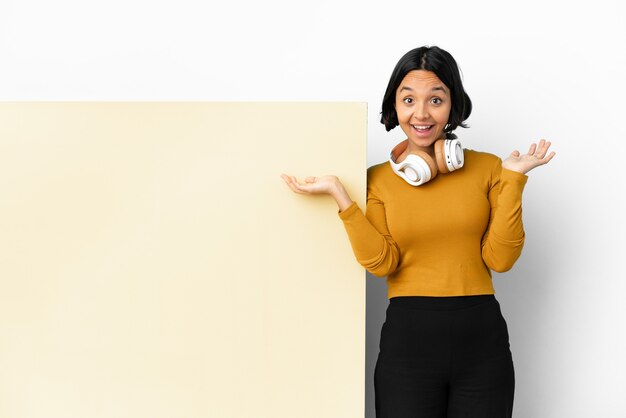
[(443, 237)]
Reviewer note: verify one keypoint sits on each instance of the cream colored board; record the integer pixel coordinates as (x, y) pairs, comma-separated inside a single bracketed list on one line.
[(154, 264)]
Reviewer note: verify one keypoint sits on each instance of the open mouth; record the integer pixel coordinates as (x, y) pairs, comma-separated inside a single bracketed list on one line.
[(422, 129)]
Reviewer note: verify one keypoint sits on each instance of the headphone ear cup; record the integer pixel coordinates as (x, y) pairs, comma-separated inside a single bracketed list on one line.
[(417, 168), (449, 154), (440, 154), (429, 160)]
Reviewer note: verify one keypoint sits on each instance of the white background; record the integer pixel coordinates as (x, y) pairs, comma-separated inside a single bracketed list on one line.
[(532, 69)]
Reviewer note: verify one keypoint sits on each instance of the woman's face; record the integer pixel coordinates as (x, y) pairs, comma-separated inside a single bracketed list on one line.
[(422, 101)]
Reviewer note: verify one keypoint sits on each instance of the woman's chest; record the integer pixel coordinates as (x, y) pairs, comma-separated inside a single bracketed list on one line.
[(445, 206)]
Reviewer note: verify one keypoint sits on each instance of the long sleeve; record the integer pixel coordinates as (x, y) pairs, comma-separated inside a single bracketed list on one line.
[(504, 239), (373, 246)]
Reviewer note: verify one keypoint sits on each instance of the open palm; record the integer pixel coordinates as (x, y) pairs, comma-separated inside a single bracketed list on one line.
[(537, 155)]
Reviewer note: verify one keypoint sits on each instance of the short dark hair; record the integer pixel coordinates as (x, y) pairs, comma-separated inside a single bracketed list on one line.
[(445, 67)]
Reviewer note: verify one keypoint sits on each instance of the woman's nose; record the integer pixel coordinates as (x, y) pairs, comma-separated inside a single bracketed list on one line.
[(420, 112)]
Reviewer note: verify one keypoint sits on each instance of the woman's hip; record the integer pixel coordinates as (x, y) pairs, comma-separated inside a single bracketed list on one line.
[(441, 331)]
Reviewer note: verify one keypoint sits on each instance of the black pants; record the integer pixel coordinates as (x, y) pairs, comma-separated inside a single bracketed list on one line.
[(444, 357)]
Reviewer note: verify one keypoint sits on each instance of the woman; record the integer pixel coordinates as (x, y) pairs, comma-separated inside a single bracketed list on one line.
[(444, 348)]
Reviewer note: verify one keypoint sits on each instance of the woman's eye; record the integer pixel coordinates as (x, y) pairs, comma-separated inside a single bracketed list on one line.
[(437, 100), (408, 100)]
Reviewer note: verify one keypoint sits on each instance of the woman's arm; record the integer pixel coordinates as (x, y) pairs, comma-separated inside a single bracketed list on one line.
[(504, 239), (373, 246)]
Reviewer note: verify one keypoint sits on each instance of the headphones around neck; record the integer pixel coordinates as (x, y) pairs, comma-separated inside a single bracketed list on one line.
[(419, 167)]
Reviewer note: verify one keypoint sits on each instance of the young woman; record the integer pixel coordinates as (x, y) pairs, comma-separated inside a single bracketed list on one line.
[(444, 347)]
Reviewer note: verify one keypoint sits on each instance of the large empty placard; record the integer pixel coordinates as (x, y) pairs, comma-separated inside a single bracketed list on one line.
[(154, 264)]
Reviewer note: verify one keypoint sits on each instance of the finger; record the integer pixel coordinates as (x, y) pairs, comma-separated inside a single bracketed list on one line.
[(285, 178), (307, 187), (295, 185), (515, 153), (543, 150), (301, 188), (545, 160), (310, 179), (548, 158), (543, 145), (290, 179), (532, 148)]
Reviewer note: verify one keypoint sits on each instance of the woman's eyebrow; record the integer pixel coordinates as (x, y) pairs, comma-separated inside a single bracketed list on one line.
[(438, 88)]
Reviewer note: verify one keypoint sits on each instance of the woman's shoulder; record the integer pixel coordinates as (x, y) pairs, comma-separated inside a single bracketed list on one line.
[(380, 177), (481, 157), (378, 172)]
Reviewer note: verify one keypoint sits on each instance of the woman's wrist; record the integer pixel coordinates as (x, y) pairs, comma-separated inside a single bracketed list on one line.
[(341, 196)]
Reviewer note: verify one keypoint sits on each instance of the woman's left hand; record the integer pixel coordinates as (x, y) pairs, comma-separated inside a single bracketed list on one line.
[(524, 163)]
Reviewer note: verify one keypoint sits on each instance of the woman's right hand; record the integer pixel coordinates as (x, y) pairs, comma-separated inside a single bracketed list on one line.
[(312, 185), (321, 185)]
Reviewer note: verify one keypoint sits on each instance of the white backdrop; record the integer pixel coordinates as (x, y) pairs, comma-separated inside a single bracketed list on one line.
[(533, 69)]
